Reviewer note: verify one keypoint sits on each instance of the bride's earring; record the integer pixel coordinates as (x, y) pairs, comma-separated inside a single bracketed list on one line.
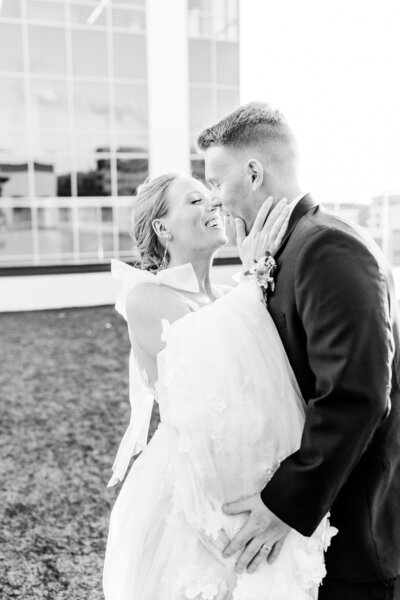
[(164, 262)]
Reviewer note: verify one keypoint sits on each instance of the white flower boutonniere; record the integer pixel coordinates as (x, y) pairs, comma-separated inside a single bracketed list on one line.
[(262, 272)]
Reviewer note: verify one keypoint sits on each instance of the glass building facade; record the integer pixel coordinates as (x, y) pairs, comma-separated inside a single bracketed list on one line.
[(74, 119)]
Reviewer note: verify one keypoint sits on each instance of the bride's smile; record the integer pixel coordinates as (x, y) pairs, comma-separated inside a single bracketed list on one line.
[(192, 221)]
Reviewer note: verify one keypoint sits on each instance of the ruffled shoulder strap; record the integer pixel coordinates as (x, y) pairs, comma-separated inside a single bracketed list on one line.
[(141, 397), (129, 277)]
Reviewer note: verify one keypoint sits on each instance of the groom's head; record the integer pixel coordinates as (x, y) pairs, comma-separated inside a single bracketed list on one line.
[(249, 155)]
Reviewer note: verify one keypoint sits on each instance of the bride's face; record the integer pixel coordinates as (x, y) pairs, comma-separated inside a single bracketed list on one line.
[(195, 225)]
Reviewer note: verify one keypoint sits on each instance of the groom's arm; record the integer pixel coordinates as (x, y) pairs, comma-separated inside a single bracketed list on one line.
[(341, 299)]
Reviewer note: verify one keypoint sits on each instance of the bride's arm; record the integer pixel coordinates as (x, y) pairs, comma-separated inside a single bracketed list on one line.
[(147, 305)]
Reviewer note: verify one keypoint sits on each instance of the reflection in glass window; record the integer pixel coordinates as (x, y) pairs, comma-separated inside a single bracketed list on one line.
[(89, 218), (200, 61), (80, 15), (16, 239), (47, 51), (45, 11), (52, 176), (131, 107), (93, 176), (12, 103), (201, 113), (92, 143), (14, 177), (89, 52), (107, 230), (13, 143), (131, 142), (131, 172), (129, 55), (55, 233), (50, 143), (91, 107), (11, 9), (134, 20), (122, 214), (11, 57), (227, 63), (49, 104)]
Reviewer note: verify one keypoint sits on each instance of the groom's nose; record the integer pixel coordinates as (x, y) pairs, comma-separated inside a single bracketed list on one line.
[(215, 203)]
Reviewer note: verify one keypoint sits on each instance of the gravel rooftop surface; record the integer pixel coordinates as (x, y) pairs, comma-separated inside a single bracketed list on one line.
[(64, 407)]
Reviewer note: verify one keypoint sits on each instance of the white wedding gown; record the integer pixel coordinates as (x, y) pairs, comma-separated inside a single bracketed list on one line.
[(230, 412)]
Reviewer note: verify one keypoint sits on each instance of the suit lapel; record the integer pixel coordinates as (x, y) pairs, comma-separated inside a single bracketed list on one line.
[(305, 204)]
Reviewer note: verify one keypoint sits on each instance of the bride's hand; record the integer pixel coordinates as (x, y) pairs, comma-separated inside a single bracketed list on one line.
[(266, 234)]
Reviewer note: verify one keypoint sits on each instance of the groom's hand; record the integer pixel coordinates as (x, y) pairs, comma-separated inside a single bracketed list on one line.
[(266, 234), (260, 538)]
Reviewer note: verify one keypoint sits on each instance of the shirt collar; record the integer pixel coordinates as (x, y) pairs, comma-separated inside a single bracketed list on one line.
[(182, 277), (294, 202)]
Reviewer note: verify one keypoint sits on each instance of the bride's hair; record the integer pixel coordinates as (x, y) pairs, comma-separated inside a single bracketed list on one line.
[(150, 203)]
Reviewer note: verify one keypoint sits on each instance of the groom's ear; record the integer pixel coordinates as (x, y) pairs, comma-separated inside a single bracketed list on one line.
[(256, 173)]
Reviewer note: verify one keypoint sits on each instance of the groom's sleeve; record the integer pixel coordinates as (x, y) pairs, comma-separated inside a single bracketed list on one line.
[(342, 301)]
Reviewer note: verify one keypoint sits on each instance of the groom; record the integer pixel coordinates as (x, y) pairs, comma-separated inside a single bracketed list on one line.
[(335, 309)]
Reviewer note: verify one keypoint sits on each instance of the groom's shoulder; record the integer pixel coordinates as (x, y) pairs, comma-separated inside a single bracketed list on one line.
[(329, 224), (319, 226)]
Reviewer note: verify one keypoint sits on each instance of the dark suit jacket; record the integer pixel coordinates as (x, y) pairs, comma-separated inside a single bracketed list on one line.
[(335, 309)]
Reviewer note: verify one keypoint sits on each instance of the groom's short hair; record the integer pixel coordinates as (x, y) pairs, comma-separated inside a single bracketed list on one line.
[(249, 124)]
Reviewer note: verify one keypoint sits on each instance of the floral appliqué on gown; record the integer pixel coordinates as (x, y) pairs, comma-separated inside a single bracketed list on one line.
[(231, 411)]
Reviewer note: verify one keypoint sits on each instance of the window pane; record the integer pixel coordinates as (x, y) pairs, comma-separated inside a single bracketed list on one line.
[(47, 49), (131, 172), (91, 106), (90, 229), (45, 11), (129, 55), (134, 20), (131, 142), (94, 176), (50, 144), (11, 58), (12, 103), (89, 53), (200, 61), (200, 110), (48, 171), (123, 217), (11, 8), (55, 231), (49, 104), (227, 63), (227, 101), (14, 143), (15, 235), (80, 14), (14, 176), (92, 143), (131, 107), (107, 230)]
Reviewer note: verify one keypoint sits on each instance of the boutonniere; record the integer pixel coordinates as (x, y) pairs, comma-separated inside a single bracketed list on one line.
[(262, 273)]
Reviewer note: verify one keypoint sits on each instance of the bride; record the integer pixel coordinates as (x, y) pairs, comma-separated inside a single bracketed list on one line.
[(230, 411)]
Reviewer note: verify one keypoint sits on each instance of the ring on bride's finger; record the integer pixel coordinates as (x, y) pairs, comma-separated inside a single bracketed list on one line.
[(265, 548)]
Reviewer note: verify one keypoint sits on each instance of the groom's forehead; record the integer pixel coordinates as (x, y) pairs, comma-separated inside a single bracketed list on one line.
[(218, 158)]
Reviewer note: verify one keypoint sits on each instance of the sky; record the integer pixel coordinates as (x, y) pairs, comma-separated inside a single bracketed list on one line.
[(333, 67)]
